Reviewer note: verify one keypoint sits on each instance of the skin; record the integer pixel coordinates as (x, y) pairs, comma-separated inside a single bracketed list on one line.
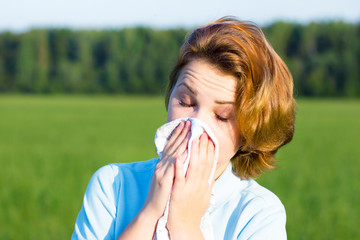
[(202, 92)]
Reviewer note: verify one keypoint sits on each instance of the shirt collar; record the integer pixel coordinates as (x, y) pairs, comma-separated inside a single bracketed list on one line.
[(225, 185)]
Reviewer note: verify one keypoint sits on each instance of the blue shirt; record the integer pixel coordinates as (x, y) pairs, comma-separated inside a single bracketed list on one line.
[(242, 208)]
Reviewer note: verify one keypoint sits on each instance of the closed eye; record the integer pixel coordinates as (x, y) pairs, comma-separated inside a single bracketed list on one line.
[(182, 103), (221, 118)]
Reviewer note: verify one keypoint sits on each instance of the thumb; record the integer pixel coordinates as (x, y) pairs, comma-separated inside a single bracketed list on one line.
[(179, 170)]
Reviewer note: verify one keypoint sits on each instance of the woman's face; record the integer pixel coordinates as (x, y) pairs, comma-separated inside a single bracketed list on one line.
[(203, 92)]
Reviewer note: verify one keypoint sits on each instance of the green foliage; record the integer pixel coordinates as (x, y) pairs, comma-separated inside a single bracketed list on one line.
[(50, 146), (323, 58), (135, 60)]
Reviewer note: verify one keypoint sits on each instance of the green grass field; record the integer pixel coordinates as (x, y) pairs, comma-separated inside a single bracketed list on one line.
[(51, 145)]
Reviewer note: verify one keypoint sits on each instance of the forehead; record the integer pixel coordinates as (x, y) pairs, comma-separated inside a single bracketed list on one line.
[(203, 76)]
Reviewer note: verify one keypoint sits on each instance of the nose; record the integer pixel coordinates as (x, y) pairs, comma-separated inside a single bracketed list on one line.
[(201, 115)]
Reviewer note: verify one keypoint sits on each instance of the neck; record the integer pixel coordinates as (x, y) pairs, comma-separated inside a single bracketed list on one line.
[(219, 170)]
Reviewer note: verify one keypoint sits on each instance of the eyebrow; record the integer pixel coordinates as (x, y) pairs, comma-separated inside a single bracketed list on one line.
[(224, 102), (194, 92)]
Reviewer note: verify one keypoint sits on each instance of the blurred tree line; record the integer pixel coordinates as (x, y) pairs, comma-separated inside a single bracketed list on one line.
[(324, 59)]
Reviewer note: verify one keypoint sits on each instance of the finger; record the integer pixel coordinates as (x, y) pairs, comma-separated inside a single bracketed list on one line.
[(184, 131), (211, 152), (194, 157), (207, 150), (166, 181), (179, 181), (179, 173), (178, 139), (204, 165), (211, 155), (203, 148), (182, 147), (163, 166), (182, 157), (201, 161), (169, 170), (176, 132), (170, 152)]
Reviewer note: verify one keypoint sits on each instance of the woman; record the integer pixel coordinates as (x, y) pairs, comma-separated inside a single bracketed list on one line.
[(228, 76)]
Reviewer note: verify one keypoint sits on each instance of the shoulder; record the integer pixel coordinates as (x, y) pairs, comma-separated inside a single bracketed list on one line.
[(107, 180), (111, 172), (263, 212), (101, 205), (243, 209), (230, 190), (260, 196)]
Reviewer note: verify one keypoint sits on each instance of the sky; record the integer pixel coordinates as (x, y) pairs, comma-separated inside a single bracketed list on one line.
[(21, 15)]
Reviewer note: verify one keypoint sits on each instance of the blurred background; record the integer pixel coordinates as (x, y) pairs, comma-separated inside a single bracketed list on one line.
[(82, 84)]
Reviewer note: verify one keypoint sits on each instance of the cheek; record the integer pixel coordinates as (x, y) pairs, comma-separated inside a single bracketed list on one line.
[(175, 112), (171, 111), (228, 144), (227, 148)]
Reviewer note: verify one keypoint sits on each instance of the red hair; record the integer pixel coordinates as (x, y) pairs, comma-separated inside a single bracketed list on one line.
[(264, 103)]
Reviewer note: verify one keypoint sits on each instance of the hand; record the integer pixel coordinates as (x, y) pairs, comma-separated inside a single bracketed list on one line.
[(163, 178), (191, 194)]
